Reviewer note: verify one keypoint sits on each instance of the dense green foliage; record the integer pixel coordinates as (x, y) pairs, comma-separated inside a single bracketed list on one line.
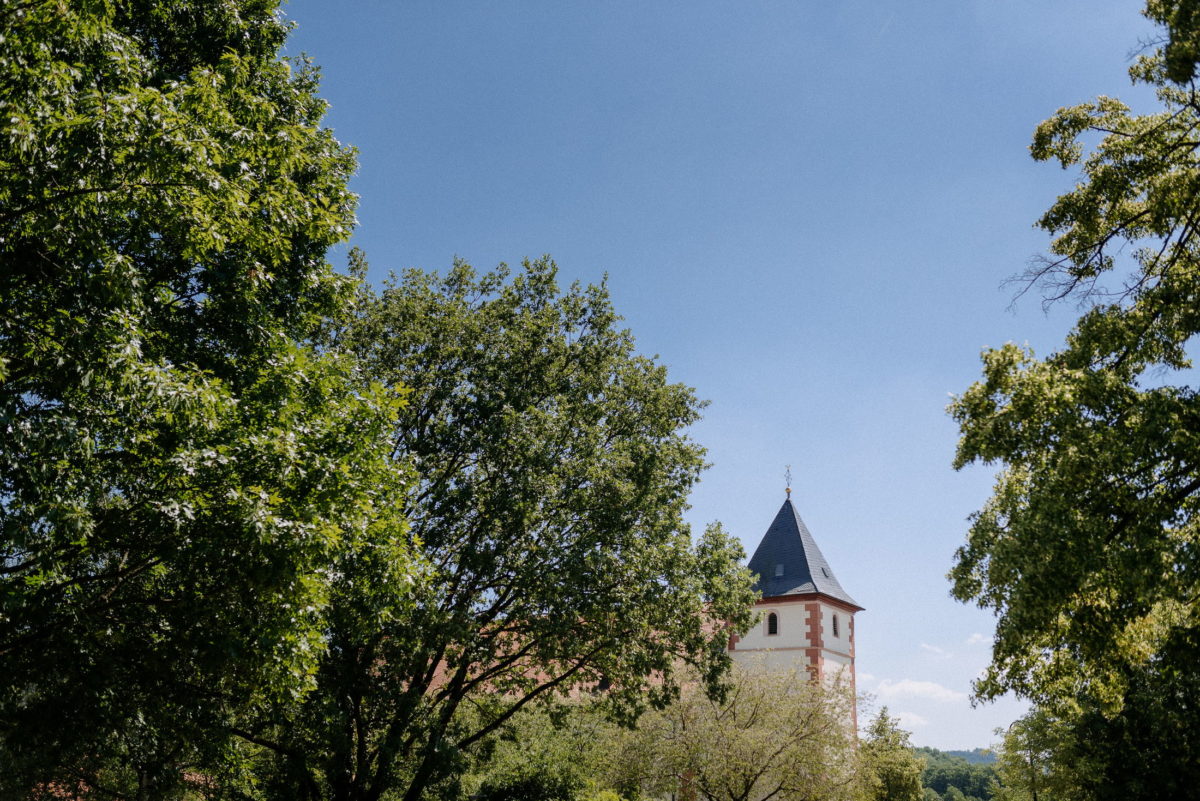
[(891, 769), (777, 735), (1150, 750), (1038, 760), (969, 773), (208, 583), (553, 470), (1181, 19), (558, 750), (1082, 753), (1087, 549), (177, 466)]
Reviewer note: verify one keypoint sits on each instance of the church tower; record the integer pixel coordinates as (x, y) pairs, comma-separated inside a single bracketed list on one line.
[(804, 614)]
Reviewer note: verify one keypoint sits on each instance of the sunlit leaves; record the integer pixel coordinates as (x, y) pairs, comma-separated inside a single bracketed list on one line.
[(552, 469), (777, 734), (1087, 548), (178, 466)]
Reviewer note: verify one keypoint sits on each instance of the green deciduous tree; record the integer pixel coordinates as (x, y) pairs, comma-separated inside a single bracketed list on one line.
[(944, 770), (1181, 19), (1149, 750), (553, 470), (1039, 760), (891, 769), (1082, 752), (777, 735), (177, 465), (549, 751), (1088, 547)]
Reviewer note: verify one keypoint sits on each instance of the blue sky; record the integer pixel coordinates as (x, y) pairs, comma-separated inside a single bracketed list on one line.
[(807, 210)]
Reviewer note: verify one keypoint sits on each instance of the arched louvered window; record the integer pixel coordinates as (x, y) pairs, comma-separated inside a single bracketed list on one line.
[(835, 626), (772, 623)]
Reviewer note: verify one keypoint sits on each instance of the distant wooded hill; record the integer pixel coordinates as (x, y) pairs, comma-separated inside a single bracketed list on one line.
[(976, 756), (957, 775)]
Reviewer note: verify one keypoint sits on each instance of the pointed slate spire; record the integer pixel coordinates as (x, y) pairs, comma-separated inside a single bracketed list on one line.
[(788, 561)]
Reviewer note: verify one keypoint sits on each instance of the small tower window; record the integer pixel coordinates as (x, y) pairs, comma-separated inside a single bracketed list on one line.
[(835, 626), (778, 570), (772, 623)]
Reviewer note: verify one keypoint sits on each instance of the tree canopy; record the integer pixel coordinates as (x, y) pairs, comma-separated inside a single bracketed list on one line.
[(1038, 760), (891, 769), (552, 467), (972, 773), (778, 735), (1087, 548), (1181, 52), (208, 579), (178, 462)]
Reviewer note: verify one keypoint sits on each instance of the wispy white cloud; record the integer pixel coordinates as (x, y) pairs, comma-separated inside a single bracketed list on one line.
[(911, 720), (911, 688), (977, 639), (933, 649), (865, 677)]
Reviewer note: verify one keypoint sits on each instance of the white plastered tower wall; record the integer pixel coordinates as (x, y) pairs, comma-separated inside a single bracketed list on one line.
[(804, 633), (805, 618)]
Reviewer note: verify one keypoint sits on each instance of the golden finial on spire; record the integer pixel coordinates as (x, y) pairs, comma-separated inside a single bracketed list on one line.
[(787, 477)]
